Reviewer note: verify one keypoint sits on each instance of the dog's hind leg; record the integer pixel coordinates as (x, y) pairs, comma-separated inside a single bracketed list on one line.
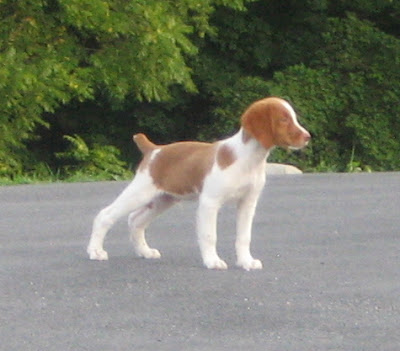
[(136, 195), (141, 218)]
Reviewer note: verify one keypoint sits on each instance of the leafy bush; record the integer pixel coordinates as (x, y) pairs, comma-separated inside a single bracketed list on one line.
[(186, 70), (349, 98), (90, 163), (229, 100), (54, 53)]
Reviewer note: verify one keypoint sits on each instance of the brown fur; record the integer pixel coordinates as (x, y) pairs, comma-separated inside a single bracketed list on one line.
[(256, 121), (143, 143), (180, 168), (225, 156), (269, 122)]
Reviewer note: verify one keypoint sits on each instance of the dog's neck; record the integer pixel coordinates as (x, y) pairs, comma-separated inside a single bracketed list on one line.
[(248, 150)]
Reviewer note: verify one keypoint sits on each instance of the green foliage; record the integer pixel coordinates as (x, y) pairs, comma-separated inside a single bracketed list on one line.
[(38, 72), (105, 69), (41, 172), (348, 97), (96, 162), (229, 102), (54, 52)]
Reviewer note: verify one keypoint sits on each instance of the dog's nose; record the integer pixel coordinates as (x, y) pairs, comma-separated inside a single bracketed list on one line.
[(307, 136)]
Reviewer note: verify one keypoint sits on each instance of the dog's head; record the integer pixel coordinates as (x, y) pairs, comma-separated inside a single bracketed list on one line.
[(273, 122)]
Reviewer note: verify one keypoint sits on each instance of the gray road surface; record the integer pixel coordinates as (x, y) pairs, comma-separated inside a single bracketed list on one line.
[(330, 245)]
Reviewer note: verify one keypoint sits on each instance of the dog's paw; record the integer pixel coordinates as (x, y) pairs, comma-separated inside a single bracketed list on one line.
[(215, 263), (97, 254), (250, 264), (149, 253)]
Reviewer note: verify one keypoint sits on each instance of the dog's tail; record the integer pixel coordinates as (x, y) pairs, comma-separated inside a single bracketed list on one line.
[(143, 143)]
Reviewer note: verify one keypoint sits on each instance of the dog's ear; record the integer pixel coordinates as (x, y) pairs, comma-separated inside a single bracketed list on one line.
[(257, 122)]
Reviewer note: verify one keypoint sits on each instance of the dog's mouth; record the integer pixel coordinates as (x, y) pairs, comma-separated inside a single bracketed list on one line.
[(296, 141), (299, 147)]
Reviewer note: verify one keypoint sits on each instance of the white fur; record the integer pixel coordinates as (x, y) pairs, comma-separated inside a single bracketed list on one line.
[(243, 182), (295, 121)]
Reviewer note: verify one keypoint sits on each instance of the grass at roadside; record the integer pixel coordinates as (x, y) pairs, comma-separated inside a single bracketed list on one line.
[(74, 178)]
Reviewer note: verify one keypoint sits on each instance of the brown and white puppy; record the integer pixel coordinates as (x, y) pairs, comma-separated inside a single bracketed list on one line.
[(213, 173)]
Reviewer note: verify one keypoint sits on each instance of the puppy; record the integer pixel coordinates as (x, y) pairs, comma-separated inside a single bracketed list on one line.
[(213, 173)]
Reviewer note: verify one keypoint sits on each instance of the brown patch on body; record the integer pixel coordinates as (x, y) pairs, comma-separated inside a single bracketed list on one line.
[(180, 168), (225, 156)]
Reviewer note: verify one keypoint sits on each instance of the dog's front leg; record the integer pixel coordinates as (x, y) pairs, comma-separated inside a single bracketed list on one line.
[(245, 215), (207, 233)]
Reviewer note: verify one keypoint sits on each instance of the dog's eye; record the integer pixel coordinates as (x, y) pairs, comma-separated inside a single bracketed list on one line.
[(284, 119)]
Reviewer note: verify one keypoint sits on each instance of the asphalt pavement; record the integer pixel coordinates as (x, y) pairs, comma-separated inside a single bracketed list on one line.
[(330, 246)]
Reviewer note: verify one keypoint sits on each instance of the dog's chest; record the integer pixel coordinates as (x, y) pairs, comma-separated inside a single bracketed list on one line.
[(234, 182)]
